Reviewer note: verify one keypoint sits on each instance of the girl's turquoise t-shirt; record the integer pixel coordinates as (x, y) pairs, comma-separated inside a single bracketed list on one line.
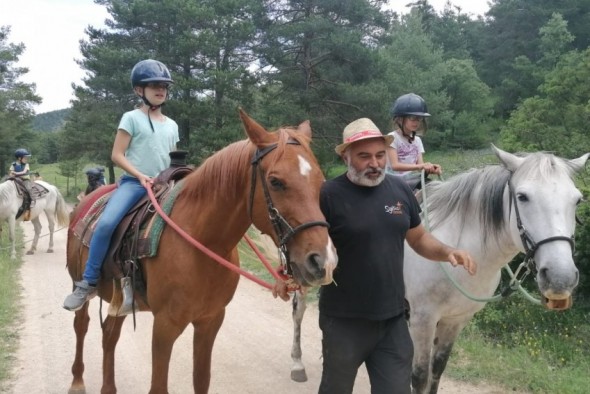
[(148, 150)]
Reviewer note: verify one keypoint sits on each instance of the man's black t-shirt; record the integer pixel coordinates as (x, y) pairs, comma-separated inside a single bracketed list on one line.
[(368, 226)]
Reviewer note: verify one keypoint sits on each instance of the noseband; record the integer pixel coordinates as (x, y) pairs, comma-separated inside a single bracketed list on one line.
[(531, 246), (283, 230)]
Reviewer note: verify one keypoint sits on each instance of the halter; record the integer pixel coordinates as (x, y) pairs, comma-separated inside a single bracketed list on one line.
[(531, 246), (282, 228)]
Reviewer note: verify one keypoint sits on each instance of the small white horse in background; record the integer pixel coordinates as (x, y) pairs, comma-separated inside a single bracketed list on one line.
[(53, 204), (528, 205)]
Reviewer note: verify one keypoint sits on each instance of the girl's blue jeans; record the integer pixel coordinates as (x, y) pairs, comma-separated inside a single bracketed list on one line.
[(125, 196)]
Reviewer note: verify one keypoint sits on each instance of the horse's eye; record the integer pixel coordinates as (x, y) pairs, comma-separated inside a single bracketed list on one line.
[(522, 197), (276, 183)]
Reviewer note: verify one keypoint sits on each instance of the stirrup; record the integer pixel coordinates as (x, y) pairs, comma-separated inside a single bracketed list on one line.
[(127, 304)]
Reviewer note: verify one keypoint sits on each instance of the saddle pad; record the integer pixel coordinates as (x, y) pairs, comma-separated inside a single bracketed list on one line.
[(151, 233), (90, 204), (37, 190), (86, 221)]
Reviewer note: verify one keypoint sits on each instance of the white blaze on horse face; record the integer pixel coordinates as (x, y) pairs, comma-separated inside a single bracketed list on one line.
[(304, 166)]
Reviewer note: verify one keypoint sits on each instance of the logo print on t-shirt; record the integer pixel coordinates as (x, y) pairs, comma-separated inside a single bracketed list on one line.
[(395, 209)]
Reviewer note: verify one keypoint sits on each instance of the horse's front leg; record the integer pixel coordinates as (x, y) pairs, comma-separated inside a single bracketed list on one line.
[(422, 328), (81, 321), (203, 340), (37, 226), (298, 373), (446, 334), (111, 332), (164, 334)]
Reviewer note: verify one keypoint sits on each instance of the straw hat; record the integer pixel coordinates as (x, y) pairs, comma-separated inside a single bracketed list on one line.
[(361, 129)]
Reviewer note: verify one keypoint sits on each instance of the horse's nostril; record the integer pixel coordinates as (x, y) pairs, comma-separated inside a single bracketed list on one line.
[(316, 262), (543, 273)]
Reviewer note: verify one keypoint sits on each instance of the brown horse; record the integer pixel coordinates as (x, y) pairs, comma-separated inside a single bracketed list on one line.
[(271, 180)]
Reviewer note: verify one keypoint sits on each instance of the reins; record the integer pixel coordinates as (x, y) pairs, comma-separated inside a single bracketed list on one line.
[(212, 254)]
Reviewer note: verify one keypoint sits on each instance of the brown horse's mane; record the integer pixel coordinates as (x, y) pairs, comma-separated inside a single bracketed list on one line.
[(226, 171)]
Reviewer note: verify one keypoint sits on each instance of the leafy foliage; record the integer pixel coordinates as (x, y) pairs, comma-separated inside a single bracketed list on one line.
[(16, 100), (555, 119), (520, 28)]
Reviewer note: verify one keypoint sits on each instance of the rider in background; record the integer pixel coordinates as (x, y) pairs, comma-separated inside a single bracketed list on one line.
[(95, 177), (144, 139), (20, 171), (409, 113)]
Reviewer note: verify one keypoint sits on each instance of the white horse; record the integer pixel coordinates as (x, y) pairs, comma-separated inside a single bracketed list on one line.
[(53, 204), (525, 205)]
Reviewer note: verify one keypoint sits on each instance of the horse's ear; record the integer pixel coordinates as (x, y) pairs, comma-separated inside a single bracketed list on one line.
[(305, 128), (579, 163), (256, 133), (510, 161)]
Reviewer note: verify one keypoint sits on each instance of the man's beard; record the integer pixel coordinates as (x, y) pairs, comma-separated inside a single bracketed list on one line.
[(360, 177)]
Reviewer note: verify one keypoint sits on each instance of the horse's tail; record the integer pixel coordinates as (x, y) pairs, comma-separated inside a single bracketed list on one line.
[(61, 210)]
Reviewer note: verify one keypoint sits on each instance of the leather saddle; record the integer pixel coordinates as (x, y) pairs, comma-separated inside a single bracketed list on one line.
[(132, 237), (29, 197), (37, 190)]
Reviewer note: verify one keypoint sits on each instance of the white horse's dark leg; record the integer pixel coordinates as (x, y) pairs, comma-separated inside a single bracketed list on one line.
[(422, 328), (298, 373), (37, 226), (446, 334)]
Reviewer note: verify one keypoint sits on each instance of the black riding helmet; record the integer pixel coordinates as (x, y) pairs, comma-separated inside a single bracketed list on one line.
[(409, 105), (147, 71), (97, 171), (19, 153)]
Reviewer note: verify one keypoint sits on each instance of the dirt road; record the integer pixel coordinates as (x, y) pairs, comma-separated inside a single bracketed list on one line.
[(251, 354)]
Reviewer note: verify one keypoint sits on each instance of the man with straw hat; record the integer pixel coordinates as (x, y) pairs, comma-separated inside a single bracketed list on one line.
[(362, 313)]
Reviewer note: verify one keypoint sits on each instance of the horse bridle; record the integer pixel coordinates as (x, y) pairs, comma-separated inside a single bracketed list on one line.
[(282, 228), (530, 246)]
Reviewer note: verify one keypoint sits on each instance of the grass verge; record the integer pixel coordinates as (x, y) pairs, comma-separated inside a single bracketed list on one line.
[(9, 306), (475, 359)]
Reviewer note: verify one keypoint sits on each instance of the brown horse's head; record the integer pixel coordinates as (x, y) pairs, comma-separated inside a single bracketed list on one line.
[(284, 199)]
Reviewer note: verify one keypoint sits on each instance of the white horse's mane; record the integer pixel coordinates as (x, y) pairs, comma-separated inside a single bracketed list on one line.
[(478, 193)]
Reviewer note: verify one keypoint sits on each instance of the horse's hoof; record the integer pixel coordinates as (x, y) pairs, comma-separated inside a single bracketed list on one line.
[(79, 390), (298, 375), (49, 250), (29, 252)]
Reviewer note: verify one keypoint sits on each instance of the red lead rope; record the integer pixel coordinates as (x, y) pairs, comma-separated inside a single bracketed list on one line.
[(212, 254)]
